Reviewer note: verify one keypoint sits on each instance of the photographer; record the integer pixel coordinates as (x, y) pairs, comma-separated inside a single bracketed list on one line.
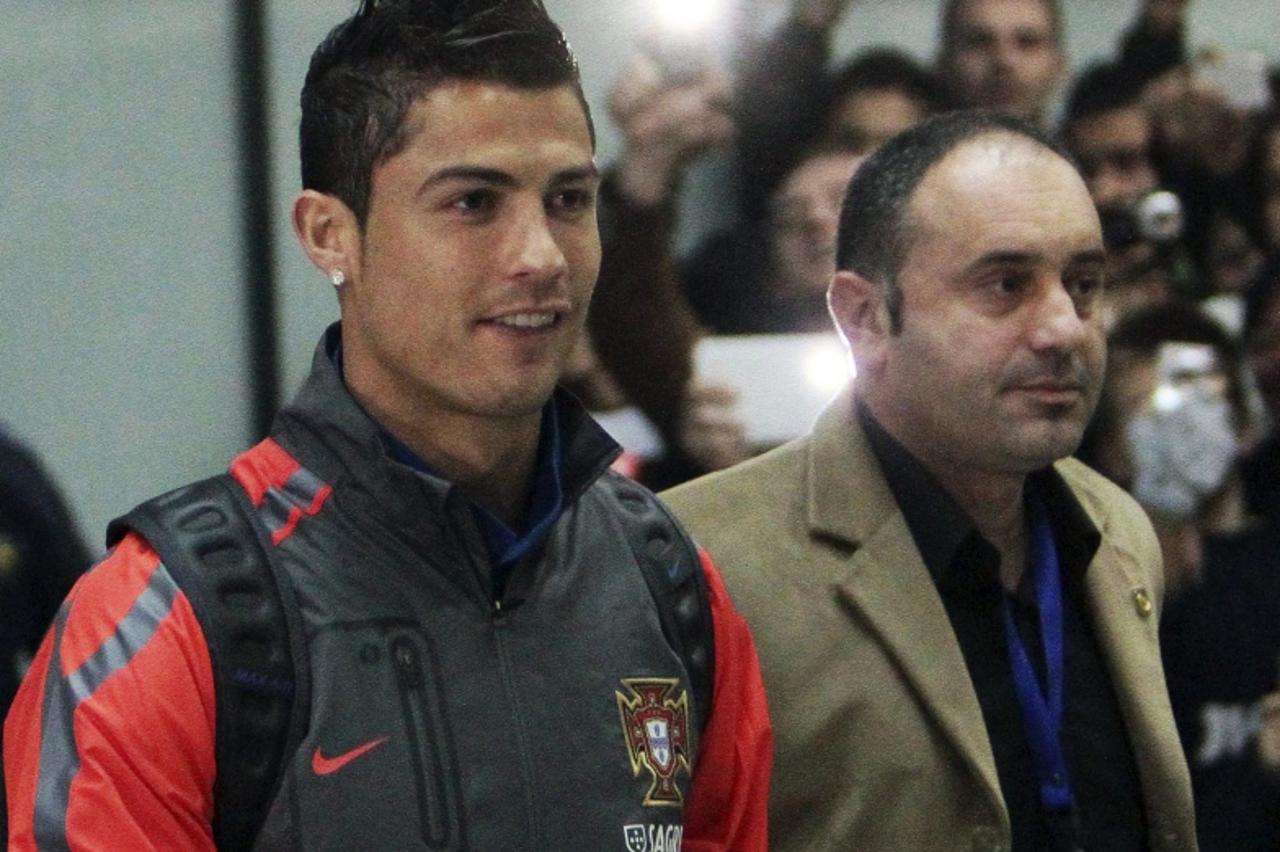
[(1110, 134)]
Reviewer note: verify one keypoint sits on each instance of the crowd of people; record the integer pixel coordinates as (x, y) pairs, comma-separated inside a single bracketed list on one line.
[(1181, 163)]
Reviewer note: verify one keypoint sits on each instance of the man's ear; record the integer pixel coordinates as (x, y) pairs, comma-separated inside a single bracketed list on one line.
[(858, 307), (328, 231)]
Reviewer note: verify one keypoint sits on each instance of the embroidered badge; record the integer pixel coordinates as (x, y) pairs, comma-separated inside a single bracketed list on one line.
[(655, 725), (637, 838)]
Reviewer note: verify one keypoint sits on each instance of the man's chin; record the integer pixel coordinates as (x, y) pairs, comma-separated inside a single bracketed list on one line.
[(1040, 451)]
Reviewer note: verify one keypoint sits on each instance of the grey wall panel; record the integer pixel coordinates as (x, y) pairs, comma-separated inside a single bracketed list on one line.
[(120, 345)]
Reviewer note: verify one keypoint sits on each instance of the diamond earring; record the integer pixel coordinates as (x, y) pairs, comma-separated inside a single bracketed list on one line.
[(337, 278)]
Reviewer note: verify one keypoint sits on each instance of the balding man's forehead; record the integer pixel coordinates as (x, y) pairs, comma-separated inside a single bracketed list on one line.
[(993, 150)]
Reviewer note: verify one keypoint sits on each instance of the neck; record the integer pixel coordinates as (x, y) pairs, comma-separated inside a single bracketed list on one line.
[(491, 459), (995, 504)]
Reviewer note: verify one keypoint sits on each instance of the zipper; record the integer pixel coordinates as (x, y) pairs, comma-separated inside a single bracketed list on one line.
[(409, 677), (534, 831)]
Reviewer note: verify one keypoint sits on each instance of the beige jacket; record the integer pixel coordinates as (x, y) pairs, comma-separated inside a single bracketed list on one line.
[(880, 741)]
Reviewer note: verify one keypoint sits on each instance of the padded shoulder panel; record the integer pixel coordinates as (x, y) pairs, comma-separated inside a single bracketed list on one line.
[(208, 538)]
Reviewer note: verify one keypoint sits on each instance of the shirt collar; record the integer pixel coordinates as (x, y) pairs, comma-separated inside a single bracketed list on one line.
[(949, 542)]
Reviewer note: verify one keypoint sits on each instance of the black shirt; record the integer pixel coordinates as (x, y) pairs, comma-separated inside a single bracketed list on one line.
[(965, 567)]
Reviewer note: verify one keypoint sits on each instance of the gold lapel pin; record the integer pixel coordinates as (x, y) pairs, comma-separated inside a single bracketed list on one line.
[(1142, 602)]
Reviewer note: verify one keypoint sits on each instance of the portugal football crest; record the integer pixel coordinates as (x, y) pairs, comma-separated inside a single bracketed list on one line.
[(655, 725)]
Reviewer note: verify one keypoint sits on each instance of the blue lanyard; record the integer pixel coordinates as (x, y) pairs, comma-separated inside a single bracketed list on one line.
[(1041, 716)]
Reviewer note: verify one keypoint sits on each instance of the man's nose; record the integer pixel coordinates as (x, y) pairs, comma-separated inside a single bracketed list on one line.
[(1005, 54), (1059, 322), (537, 254)]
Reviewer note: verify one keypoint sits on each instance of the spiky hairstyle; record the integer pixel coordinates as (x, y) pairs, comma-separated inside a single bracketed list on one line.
[(370, 68)]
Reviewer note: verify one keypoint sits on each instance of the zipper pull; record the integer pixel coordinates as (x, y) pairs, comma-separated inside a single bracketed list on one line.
[(407, 662)]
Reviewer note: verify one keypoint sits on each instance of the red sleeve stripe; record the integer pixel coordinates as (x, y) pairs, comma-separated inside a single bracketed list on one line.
[(263, 467), (283, 491), (302, 494), (59, 759)]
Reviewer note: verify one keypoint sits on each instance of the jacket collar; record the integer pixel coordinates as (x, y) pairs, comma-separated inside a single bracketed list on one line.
[(327, 430)]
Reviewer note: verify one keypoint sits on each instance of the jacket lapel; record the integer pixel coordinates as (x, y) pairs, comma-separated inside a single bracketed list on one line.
[(1125, 625), (887, 585)]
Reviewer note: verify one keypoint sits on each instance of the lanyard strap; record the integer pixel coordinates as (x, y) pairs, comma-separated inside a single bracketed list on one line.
[(1041, 717)]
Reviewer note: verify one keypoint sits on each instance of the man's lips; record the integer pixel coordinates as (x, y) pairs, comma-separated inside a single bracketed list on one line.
[(1051, 391), (527, 319)]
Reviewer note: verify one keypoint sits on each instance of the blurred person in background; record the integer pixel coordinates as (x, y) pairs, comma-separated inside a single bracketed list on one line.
[(787, 96), (1156, 41), (41, 557), (766, 276), (1266, 175), (1171, 428), (1003, 55), (1108, 131), (642, 327), (1230, 261), (1208, 121), (1262, 348)]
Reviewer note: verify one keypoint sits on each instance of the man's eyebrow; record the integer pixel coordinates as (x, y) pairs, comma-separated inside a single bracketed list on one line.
[(576, 174), (1029, 258), (1089, 256), (1004, 258), (497, 177)]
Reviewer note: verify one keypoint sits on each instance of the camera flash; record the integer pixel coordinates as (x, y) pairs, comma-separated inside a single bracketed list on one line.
[(687, 17)]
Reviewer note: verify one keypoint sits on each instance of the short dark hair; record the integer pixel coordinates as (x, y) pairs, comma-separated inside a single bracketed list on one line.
[(881, 68), (874, 235), (951, 22), (1146, 329), (371, 67), (1102, 87)]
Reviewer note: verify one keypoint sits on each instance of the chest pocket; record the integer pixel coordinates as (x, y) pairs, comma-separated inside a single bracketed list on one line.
[(378, 768)]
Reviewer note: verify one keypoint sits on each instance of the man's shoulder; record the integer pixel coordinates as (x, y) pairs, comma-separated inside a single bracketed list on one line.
[(1105, 502), (755, 486), (1117, 516), (741, 513)]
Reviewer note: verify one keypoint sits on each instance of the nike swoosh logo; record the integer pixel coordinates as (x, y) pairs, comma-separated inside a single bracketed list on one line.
[(322, 765)]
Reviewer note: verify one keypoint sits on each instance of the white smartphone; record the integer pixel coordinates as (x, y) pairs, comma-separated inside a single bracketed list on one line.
[(783, 380)]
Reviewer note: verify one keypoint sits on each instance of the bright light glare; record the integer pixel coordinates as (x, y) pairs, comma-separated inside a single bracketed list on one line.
[(828, 368), (687, 17), (1166, 398)]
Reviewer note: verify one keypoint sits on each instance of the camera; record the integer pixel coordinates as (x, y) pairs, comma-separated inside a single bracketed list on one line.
[(1154, 218)]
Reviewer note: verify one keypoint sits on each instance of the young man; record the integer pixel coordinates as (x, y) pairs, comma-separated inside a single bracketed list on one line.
[(957, 624), (489, 664)]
